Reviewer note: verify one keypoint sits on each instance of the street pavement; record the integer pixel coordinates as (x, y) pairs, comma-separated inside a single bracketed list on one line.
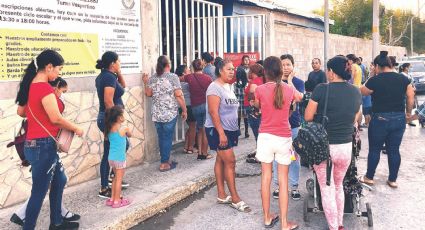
[(400, 208)]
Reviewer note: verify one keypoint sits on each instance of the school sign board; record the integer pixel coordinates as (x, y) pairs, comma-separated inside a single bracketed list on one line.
[(80, 30)]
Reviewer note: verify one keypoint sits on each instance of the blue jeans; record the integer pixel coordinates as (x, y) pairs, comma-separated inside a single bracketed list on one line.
[(165, 131), (46, 170), (104, 164), (254, 123), (385, 128), (199, 113), (294, 167)]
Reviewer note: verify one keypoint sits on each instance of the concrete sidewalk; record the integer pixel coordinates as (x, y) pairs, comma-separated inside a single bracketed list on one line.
[(150, 192)]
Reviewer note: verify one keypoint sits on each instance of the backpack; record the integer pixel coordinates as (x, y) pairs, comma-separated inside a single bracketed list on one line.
[(312, 143), (19, 142)]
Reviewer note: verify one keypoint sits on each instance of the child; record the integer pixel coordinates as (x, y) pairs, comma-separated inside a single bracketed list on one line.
[(117, 135)]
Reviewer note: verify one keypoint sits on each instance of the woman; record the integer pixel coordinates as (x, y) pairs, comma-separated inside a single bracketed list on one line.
[(110, 86), (166, 92), (222, 131), (190, 134), (274, 98), (60, 87), (37, 101), (256, 78), (240, 85), (393, 98), (198, 84), (343, 109)]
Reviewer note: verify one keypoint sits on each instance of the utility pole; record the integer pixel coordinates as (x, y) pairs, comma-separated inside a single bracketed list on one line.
[(375, 28), (326, 34), (411, 36), (390, 40)]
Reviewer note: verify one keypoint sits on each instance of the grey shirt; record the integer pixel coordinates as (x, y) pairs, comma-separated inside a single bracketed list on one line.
[(164, 103), (186, 92), (210, 71), (228, 109)]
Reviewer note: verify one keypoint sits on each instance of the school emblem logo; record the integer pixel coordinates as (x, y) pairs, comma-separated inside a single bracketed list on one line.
[(128, 4)]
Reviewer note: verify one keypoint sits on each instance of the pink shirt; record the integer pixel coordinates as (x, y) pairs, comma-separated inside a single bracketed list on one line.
[(274, 121)]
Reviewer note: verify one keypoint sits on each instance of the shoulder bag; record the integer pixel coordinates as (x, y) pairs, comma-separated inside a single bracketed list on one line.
[(64, 138)]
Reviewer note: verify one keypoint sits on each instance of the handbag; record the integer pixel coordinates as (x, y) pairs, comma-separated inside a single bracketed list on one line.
[(19, 142), (312, 142), (64, 138)]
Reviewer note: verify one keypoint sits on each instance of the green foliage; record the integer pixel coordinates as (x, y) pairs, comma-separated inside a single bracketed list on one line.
[(354, 18)]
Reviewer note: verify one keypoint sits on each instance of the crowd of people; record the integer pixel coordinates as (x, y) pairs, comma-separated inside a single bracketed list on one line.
[(214, 98)]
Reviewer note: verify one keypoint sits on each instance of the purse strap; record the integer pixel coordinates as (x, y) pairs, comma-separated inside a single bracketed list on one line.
[(324, 117), (42, 126)]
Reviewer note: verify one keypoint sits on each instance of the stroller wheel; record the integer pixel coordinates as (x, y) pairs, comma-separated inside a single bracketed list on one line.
[(305, 210), (309, 184), (369, 215)]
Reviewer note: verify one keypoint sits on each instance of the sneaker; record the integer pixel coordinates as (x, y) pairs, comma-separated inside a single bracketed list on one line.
[(64, 225), (123, 183), (295, 194), (276, 194), (105, 193), (17, 220)]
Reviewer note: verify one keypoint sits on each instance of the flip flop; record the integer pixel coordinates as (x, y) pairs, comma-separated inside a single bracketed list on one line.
[(292, 226), (272, 222), (123, 202), (173, 165), (227, 200)]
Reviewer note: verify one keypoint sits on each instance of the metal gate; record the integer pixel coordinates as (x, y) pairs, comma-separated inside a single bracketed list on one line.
[(188, 28), (244, 33)]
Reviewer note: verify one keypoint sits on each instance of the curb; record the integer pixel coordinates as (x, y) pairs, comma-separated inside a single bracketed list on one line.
[(162, 201)]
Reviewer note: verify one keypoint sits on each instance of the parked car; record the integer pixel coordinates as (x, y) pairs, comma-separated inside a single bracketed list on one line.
[(417, 71)]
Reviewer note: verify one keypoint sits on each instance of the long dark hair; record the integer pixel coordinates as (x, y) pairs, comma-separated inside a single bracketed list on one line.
[(108, 58), (111, 117), (38, 64), (197, 65), (162, 62), (274, 71)]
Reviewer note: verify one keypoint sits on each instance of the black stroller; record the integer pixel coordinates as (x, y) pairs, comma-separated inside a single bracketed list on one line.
[(352, 189)]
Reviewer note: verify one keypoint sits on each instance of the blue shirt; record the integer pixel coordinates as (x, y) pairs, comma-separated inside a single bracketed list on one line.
[(108, 79), (295, 118), (117, 146), (210, 71)]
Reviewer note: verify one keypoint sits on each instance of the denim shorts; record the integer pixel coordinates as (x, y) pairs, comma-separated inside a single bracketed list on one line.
[(367, 111), (199, 112), (214, 139)]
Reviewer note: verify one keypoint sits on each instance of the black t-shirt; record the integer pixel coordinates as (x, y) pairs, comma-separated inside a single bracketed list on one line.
[(343, 103), (108, 79), (315, 78), (389, 92)]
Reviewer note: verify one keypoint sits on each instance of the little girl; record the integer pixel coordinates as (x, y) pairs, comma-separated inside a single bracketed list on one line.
[(116, 134)]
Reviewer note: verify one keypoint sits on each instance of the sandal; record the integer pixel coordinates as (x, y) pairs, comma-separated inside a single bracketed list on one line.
[(72, 217), (392, 184), (204, 157), (123, 202), (251, 155), (241, 206), (228, 200), (292, 226), (272, 222), (188, 151), (252, 160), (365, 180), (173, 165)]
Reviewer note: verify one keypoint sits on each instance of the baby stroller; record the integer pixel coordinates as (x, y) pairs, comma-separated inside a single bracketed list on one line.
[(352, 189)]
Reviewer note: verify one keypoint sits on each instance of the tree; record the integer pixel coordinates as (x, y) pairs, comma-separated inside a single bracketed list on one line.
[(354, 18)]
